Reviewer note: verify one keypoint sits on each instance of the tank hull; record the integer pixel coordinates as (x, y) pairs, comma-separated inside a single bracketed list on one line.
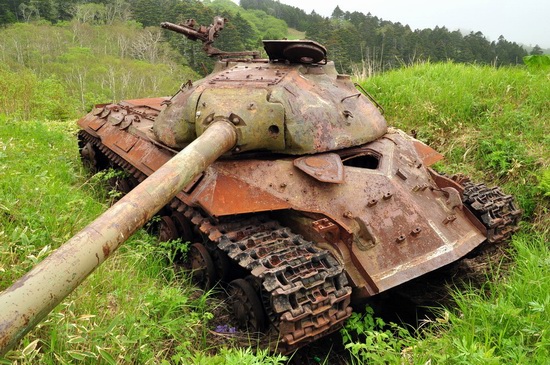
[(386, 218), (375, 216)]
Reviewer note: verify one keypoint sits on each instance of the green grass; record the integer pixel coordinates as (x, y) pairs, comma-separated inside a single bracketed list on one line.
[(492, 124), (132, 309), (506, 321)]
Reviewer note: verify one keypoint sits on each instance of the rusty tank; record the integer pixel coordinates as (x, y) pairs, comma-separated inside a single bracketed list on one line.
[(294, 193)]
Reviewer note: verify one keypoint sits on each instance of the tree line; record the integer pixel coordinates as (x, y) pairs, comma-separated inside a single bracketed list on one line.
[(367, 42), (358, 43)]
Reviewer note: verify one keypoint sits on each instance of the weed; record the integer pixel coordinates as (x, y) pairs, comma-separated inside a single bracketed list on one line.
[(544, 183), (370, 339)]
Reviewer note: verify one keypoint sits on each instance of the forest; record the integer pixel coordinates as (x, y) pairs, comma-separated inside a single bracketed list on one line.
[(357, 41), (384, 45)]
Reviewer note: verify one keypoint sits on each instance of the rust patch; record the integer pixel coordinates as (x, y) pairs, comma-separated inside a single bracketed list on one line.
[(95, 124), (106, 250), (126, 142), (230, 195), (327, 167), (428, 155)]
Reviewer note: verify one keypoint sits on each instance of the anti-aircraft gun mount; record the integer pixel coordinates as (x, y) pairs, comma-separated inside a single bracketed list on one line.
[(288, 183), (206, 35), (303, 51)]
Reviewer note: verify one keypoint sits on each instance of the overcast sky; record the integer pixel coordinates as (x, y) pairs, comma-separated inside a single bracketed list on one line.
[(521, 21)]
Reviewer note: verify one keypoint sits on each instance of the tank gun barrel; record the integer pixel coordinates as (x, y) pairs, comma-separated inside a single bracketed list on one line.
[(32, 297)]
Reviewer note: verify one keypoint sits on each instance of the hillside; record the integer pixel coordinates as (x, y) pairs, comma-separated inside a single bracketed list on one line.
[(103, 52), (353, 38)]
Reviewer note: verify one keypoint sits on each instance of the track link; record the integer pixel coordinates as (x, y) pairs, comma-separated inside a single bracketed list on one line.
[(303, 288), (496, 210)]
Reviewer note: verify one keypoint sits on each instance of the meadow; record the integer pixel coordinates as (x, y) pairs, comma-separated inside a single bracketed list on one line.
[(492, 124)]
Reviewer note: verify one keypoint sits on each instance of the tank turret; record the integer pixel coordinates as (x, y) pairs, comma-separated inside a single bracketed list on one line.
[(294, 102), (286, 180)]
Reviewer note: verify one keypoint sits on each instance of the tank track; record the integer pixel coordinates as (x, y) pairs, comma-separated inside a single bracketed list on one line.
[(303, 288), (496, 210)]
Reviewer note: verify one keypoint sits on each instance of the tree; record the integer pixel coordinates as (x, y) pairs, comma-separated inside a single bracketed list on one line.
[(118, 10), (9, 11), (479, 47), (536, 51), (90, 13), (28, 12), (146, 45), (337, 13)]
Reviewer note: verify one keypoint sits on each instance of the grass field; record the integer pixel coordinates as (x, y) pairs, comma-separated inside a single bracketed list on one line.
[(492, 124)]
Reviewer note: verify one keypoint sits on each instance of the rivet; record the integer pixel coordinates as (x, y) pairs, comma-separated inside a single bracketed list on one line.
[(348, 214), (372, 203), (400, 239), (449, 219), (387, 195), (416, 231)]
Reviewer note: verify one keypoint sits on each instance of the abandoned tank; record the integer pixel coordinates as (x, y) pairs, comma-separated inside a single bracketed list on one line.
[(294, 193)]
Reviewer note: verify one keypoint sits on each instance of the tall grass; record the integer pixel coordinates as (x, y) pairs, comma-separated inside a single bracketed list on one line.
[(506, 321), (494, 125), (132, 309)]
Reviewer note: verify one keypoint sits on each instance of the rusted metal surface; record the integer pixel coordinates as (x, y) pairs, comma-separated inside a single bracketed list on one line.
[(428, 155), (389, 218), (303, 288), (305, 292), (326, 167), (33, 296), (496, 210), (396, 221)]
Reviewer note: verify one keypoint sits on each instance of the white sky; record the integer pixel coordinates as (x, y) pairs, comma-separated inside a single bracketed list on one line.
[(524, 21)]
